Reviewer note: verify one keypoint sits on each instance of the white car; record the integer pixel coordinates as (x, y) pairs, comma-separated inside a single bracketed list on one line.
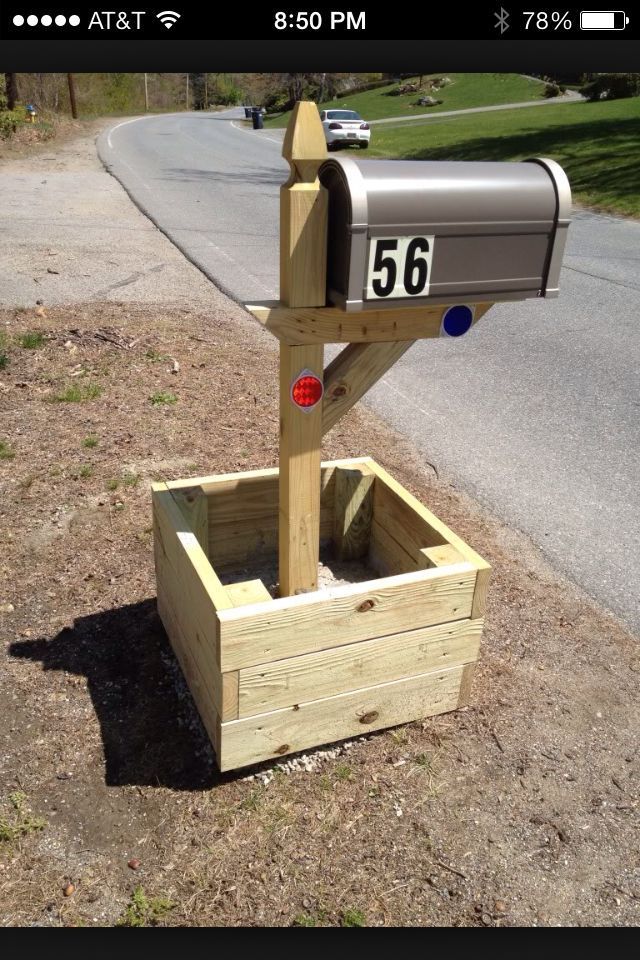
[(345, 127)]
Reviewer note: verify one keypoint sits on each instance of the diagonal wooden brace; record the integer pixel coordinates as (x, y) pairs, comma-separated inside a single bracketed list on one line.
[(353, 372)]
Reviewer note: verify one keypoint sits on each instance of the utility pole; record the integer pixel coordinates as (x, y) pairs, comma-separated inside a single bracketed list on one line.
[(187, 91), (72, 96), (146, 94)]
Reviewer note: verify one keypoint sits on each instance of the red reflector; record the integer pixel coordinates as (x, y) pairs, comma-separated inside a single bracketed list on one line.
[(307, 390)]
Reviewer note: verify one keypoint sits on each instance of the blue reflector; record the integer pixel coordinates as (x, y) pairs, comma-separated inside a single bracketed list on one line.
[(456, 321)]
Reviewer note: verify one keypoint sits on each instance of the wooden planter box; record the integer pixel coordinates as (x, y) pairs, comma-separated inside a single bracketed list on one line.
[(274, 676)]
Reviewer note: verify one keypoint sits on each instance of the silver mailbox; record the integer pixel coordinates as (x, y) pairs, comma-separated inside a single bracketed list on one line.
[(405, 232)]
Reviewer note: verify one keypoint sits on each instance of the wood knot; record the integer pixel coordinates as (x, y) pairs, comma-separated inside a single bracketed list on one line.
[(340, 390), (369, 717), (366, 605), (283, 749)]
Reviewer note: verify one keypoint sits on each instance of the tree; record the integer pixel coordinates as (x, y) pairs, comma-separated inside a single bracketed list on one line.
[(11, 90)]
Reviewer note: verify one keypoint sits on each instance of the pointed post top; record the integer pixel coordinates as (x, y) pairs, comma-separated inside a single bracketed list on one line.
[(304, 144)]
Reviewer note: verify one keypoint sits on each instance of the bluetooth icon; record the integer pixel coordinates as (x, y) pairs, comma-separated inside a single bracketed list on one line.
[(502, 20)]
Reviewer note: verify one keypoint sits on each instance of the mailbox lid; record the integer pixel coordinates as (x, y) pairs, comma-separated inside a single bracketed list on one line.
[(498, 228), (424, 193)]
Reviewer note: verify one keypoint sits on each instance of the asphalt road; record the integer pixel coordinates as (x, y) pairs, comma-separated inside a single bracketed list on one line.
[(536, 412)]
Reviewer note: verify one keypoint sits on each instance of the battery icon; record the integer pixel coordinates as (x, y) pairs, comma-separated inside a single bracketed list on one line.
[(603, 20)]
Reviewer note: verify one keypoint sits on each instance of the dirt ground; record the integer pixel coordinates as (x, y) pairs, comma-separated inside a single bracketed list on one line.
[(521, 809)]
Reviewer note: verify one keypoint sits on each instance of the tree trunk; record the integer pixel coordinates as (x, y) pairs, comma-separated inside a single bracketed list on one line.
[(11, 85), (72, 96)]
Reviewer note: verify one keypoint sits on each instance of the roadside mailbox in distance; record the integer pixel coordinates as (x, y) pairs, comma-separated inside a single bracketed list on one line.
[(402, 233)]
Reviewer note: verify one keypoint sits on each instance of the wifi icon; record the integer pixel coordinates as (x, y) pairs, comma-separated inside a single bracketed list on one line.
[(168, 17)]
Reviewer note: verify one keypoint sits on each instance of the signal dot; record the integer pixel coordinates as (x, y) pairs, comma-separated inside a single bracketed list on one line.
[(18, 20), (74, 20), (457, 320), (60, 20), (32, 21), (46, 21)]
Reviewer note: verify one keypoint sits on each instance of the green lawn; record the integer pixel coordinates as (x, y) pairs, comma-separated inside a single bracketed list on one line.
[(598, 144), (466, 90)]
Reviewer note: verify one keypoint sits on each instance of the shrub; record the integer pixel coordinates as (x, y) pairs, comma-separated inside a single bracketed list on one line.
[(611, 86), (9, 120)]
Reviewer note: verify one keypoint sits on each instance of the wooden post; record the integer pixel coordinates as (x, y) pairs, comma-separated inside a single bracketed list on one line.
[(299, 487), (303, 260), (303, 212)]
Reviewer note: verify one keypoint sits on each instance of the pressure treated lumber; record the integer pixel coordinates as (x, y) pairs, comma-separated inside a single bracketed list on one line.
[(291, 626), (333, 325), (195, 507), (303, 211), (335, 718), (247, 591), (300, 441), (353, 372), (326, 673), (353, 512)]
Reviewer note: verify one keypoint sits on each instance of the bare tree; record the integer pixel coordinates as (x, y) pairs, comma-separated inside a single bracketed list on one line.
[(11, 87)]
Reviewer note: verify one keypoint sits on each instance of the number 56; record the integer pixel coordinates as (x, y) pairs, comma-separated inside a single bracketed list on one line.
[(399, 267)]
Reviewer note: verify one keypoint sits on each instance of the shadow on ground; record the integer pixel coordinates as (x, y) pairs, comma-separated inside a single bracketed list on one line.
[(259, 175), (572, 145), (150, 728)]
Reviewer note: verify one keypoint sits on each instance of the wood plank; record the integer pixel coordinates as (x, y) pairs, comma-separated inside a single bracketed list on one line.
[(222, 478), (195, 508), (247, 591), (300, 441), (353, 512), (441, 556), (401, 510), (387, 556), (239, 543), (247, 497), (292, 626), (185, 606), (354, 371), (172, 525), (333, 325), (200, 691), (327, 673), (230, 695), (482, 587), (304, 209), (274, 734)]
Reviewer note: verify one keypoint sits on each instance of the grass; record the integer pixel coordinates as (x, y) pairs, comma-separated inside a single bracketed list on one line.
[(304, 920), (32, 340), (90, 442), (4, 357), (160, 399), (113, 484), (75, 393), (466, 90), (86, 471), (597, 144), (130, 479), (142, 911), (353, 918), (343, 771), (20, 823), (6, 453)]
